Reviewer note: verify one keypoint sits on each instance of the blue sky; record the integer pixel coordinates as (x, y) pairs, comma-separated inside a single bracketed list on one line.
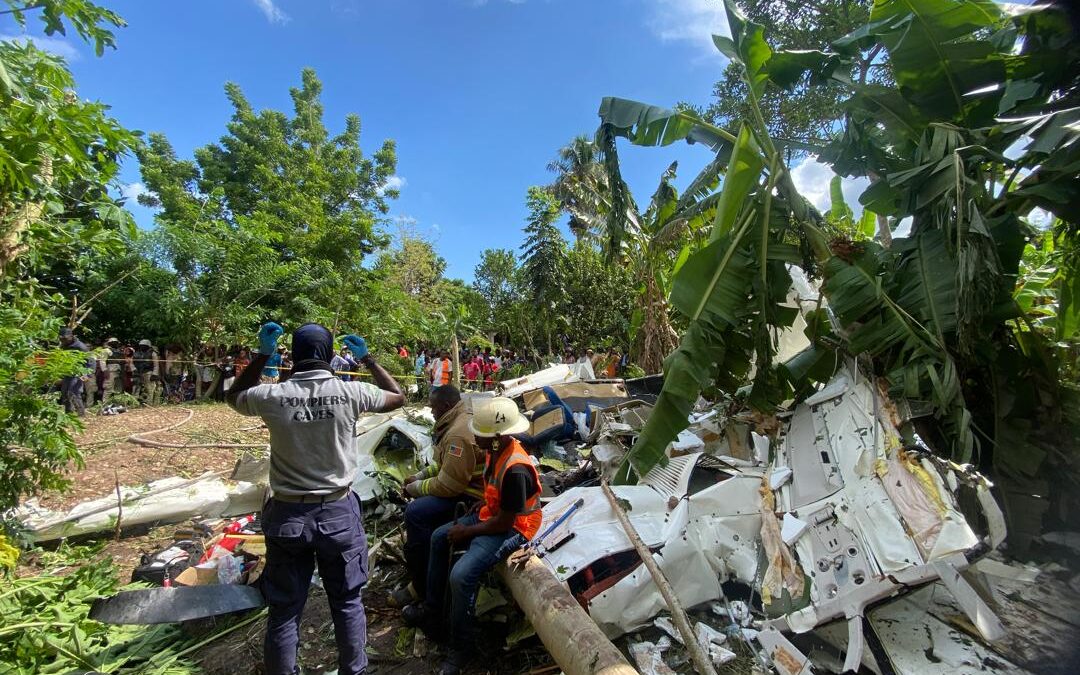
[(478, 94)]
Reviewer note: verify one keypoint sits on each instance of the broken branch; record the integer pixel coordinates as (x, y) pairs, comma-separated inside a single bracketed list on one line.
[(678, 614)]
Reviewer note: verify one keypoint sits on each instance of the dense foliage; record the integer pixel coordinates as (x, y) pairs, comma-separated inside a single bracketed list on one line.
[(978, 129), (45, 628), (808, 111), (58, 154)]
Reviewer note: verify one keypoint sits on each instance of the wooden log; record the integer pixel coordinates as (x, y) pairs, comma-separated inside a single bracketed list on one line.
[(571, 636)]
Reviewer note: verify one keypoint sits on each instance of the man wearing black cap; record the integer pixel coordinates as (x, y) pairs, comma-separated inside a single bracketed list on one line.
[(71, 386), (313, 515)]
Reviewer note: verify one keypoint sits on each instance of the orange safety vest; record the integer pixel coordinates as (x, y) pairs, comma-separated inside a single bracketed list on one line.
[(446, 371), (527, 522)]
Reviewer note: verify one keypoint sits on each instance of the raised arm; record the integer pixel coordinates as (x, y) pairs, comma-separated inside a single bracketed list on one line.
[(394, 397), (268, 337)]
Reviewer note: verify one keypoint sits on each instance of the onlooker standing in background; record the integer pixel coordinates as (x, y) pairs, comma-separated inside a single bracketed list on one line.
[(471, 371), (71, 387), (95, 382), (115, 366), (286, 364), (147, 374), (243, 359), (420, 370), (341, 363)]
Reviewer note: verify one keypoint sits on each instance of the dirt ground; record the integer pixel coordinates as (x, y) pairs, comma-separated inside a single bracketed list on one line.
[(111, 457)]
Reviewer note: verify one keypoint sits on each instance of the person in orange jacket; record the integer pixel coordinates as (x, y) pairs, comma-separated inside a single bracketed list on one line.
[(508, 517)]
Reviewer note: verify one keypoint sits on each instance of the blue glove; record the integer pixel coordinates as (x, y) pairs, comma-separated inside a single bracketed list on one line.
[(357, 345), (268, 337)]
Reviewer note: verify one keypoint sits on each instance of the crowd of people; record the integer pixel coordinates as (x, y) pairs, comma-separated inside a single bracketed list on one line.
[(480, 368), (175, 375)]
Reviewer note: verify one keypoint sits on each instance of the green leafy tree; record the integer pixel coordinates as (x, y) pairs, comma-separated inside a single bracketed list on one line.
[(496, 278), (273, 221), (58, 155), (598, 300), (412, 265), (581, 185), (651, 244), (808, 112)]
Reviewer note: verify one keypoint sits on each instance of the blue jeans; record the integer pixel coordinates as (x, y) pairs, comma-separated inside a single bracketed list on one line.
[(298, 536), (422, 516), (482, 555)]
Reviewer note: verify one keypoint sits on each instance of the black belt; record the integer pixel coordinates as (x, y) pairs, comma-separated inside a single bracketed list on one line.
[(312, 499)]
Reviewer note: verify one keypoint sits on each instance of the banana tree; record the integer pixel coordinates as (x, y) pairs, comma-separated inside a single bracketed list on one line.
[(653, 243), (930, 312)]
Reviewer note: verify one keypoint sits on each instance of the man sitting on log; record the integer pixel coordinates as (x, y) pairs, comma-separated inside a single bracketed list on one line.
[(456, 478), (508, 517)]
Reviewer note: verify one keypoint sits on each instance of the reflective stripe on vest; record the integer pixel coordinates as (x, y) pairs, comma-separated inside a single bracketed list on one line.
[(528, 521)]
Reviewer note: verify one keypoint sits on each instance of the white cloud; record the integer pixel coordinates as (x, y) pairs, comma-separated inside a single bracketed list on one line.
[(812, 178), (131, 191), (272, 12), (57, 46), (394, 182), (693, 21), (436, 227)]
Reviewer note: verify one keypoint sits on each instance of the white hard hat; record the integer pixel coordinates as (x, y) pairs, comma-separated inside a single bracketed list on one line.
[(144, 343), (497, 416)]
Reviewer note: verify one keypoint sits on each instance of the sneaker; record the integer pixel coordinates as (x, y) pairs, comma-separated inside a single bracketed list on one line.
[(456, 660), (404, 596)]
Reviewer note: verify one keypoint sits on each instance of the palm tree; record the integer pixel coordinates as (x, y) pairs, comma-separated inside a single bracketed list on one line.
[(580, 185), (651, 243)]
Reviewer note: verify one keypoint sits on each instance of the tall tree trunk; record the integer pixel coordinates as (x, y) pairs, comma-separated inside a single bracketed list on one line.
[(455, 355), (657, 337), (21, 216)]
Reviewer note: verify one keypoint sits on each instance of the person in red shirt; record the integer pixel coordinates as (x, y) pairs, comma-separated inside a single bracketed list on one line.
[(243, 360), (490, 368), (472, 370)]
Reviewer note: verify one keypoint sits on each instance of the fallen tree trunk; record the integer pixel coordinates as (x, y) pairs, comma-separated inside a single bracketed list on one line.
[(571, 636)]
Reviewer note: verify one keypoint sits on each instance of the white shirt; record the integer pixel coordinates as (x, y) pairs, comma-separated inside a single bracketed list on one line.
[(311, 418)]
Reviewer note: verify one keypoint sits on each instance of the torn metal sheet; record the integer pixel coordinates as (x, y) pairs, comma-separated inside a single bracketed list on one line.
[(864, 520), (918, 642), (391, 444), (176, 604), (648, 657), (170, 500), (784, 656), (556, 374), (700, 538)]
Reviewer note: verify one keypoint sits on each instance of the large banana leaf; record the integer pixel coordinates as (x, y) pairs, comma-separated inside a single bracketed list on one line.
[(900, 307), (711, 289), (938, 62)]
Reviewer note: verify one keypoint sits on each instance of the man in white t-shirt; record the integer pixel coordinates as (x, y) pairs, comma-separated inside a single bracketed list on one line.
[(313, 515)]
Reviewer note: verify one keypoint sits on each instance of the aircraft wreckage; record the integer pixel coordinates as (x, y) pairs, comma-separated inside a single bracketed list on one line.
[(816, 523)]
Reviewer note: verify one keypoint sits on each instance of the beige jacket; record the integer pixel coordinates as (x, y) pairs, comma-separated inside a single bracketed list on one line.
[(459, 463)]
